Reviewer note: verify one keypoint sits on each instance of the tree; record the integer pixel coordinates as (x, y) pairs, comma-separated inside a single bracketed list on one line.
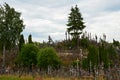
[(113, 55), (93, 57), (11, 27), (86, 64), (50, 41), (92, 60), (103, 56), (48, 57), (30, 39), (84, 42), (21, 41), (28, 55), (116, 43), (75, 23)]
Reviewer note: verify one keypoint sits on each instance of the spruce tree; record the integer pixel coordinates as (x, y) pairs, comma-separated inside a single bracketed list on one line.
[(75, 22), (75, 25)]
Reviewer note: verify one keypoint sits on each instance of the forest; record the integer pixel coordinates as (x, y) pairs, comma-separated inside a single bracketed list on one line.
[(79, 54)]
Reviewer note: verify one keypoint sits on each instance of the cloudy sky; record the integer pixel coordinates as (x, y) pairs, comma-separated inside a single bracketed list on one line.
[(49, 17)]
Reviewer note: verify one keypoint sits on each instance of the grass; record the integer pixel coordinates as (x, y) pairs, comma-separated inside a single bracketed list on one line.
[(13, 77)]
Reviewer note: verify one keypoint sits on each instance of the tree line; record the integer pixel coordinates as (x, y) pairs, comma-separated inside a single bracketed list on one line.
[(45, 55)]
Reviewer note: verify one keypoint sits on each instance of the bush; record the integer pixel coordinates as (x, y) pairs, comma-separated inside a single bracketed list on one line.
[(28, 54), (48, 57)]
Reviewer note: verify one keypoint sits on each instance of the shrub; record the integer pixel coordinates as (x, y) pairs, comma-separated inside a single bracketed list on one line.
[(28, 55), (48, 57)]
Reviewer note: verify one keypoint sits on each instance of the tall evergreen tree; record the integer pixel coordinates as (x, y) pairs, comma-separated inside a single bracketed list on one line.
[(21, 41), (30, 39), (75, 22), (76, 25), (50, 41)]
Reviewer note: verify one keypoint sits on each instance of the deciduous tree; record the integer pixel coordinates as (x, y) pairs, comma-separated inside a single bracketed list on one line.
[(11, 26)]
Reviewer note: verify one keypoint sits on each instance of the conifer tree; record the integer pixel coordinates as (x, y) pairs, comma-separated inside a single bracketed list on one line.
[(75, 22), (75, 25), (21, 41), (30, 39)]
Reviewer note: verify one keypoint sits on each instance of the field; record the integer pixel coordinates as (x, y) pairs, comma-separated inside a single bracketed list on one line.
[(12, 77)]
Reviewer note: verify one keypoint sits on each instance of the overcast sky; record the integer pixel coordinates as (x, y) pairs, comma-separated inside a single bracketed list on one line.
[(49, 17)]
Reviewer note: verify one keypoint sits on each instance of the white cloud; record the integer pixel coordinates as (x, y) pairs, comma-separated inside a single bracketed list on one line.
[(49, 17), (108, 23)]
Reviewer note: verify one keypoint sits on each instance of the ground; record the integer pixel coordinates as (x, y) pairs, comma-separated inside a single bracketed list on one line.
[(15, 77)]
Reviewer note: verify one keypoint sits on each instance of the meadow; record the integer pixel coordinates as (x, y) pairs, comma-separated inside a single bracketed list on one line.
[(15, 77)]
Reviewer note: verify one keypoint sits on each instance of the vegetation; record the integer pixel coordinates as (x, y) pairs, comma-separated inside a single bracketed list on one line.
[(27, 56), (48, 57), (11, 27), (10, 77), (21, 42), (30, 39), (75, 23), (92, 55)]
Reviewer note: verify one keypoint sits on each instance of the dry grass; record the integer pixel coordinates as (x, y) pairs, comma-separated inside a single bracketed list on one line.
[(13, 77)]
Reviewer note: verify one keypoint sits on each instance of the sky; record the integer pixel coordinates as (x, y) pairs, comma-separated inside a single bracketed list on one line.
[(49, 17)]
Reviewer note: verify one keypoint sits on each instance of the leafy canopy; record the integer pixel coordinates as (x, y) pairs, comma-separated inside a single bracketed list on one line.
[(11, 25)]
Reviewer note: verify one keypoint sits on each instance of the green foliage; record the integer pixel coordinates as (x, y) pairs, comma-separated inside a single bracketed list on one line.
[(93, 55), (116, 43), (112, 54), (30, 39), (28, 55), (73, 43), (92, 58), (48, 57), (14, 77), (84, 42), (85, 64), (103, 56), (10, 25), (75, 21), (21, 42), (37, 44)]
